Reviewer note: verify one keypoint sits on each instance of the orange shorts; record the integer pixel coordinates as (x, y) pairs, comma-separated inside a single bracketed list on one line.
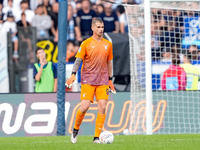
[(100, 92)]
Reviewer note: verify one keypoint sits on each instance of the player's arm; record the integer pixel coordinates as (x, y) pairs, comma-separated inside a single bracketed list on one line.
[(55, 84), (112, 88), (110, 68), (74, 70)]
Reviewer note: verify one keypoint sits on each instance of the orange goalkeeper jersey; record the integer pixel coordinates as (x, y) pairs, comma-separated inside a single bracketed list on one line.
[(95, 56)]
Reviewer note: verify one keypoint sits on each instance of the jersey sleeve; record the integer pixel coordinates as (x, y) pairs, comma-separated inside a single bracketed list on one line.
[(82, 50), (34, 72), (54, 69), (110, 56)]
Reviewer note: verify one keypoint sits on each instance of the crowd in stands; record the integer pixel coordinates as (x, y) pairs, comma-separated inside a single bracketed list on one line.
[(43, 14), (167, 26), (168, 30)]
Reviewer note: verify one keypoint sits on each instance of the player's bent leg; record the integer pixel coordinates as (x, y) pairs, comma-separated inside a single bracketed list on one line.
[(100, 119), (85, 104)]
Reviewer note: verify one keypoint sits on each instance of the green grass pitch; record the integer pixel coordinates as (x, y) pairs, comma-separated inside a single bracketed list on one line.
[(121, 142)]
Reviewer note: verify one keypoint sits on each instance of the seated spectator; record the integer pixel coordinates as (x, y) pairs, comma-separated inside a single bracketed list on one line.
[(123, 24), (73, 30), (45, 73), (42, 22), (84, 18), (9, 8), (191, 71), (167, 55), (24, 8), (110, 19), (174, 78), (11, 25), (25, 35), (16, 4), (70, 50)]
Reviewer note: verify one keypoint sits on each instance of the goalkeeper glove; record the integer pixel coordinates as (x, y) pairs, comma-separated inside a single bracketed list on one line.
[(112, 88), (70, 81)]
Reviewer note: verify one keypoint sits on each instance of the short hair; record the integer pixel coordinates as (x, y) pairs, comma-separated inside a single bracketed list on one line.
[(175, 59), (120, 9), (193, 46), (95, 20), (24, 1), (37, 49)]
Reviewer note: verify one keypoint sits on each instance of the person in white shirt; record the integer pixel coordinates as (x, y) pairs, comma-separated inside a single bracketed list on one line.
[(11, 25), (16, 3), (123, 24), (24, 8), (7, 8)]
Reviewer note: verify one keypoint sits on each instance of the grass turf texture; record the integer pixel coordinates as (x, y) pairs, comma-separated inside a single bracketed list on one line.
[(121, 142)]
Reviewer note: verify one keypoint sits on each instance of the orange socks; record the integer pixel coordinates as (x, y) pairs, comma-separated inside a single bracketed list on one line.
[(99, 124), (79, 118)]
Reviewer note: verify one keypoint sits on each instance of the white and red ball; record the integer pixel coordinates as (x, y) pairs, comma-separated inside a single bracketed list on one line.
[(106, 137)]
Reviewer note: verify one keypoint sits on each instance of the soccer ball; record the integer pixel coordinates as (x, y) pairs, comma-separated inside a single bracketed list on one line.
[(106, 137)]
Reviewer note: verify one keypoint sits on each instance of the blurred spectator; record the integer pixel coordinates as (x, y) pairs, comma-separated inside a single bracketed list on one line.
[(73, 32), (84, 18), (70, 50), (155, 44), (34, 4), (176, 49), (110, 19), (167, 55), (47, 7), (42, 22), (1, 16), (7, 8), (24, 8), (192, 73), (25, 35), (45, 73), (193, 49), (16, 4), (75, 50), (78, 6), (123, 24), (94, 7), (100, 9), (11, 25), (171, 35), (174, 78), (23, 22), (54, 17), (73, 4)]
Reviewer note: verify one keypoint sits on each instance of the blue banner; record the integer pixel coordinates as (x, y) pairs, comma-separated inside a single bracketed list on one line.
[(191, 31)]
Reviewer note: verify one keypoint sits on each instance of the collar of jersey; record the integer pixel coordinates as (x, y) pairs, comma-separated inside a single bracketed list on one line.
[(43, 66), (96, 40)]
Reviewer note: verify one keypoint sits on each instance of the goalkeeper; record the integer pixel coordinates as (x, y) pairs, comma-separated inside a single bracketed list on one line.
[(96, 77)]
